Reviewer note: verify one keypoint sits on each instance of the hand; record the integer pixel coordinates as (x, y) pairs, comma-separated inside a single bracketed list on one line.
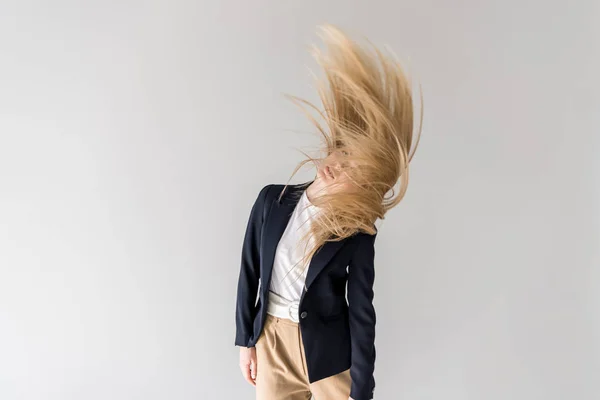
[(248, 364)]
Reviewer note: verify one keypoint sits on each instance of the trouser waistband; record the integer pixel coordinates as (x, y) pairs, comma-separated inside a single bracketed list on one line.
[(282, 308)]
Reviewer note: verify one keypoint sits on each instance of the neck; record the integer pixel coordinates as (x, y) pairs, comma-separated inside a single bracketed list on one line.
[(313, 190)]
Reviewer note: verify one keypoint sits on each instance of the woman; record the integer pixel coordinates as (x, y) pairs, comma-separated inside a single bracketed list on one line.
[(308, 251)]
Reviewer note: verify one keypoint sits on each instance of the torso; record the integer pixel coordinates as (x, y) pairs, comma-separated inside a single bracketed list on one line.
[(289, 275)]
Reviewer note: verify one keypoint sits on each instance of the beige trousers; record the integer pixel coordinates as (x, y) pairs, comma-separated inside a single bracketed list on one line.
[(281, 367)]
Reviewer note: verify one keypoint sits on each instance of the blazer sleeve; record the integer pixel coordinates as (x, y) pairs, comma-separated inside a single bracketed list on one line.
[(249, 273), (361, 276)]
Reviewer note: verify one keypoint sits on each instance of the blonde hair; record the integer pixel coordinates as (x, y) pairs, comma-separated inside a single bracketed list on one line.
[(368, 113)]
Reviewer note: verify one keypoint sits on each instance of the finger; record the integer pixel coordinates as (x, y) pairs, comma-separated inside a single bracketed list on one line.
[(246, 373), (253, 369)]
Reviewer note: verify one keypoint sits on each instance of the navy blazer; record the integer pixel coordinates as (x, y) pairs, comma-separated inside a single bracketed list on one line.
[(337, 333)]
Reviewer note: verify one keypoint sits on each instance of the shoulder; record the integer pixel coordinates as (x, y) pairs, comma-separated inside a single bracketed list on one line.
[(273, 188), (363, 236), (284, 191), (265, 190), (270, 191), (362, 248), (363, 239)]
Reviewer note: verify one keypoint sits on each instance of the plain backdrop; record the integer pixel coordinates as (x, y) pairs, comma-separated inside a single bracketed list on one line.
[(135, 136)]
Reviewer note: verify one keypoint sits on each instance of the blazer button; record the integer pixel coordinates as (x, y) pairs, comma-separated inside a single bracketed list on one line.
[(303, 314)]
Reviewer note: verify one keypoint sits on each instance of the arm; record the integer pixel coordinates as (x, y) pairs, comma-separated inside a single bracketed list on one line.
[(249, 273), (361, 276)]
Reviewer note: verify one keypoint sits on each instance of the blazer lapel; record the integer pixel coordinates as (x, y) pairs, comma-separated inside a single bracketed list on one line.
[(320, 260)]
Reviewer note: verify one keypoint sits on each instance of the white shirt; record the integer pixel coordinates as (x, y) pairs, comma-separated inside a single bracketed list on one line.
[(288, 276)]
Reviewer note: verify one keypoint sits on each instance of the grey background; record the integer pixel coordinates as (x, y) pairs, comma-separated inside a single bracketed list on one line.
[(135, 135)]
